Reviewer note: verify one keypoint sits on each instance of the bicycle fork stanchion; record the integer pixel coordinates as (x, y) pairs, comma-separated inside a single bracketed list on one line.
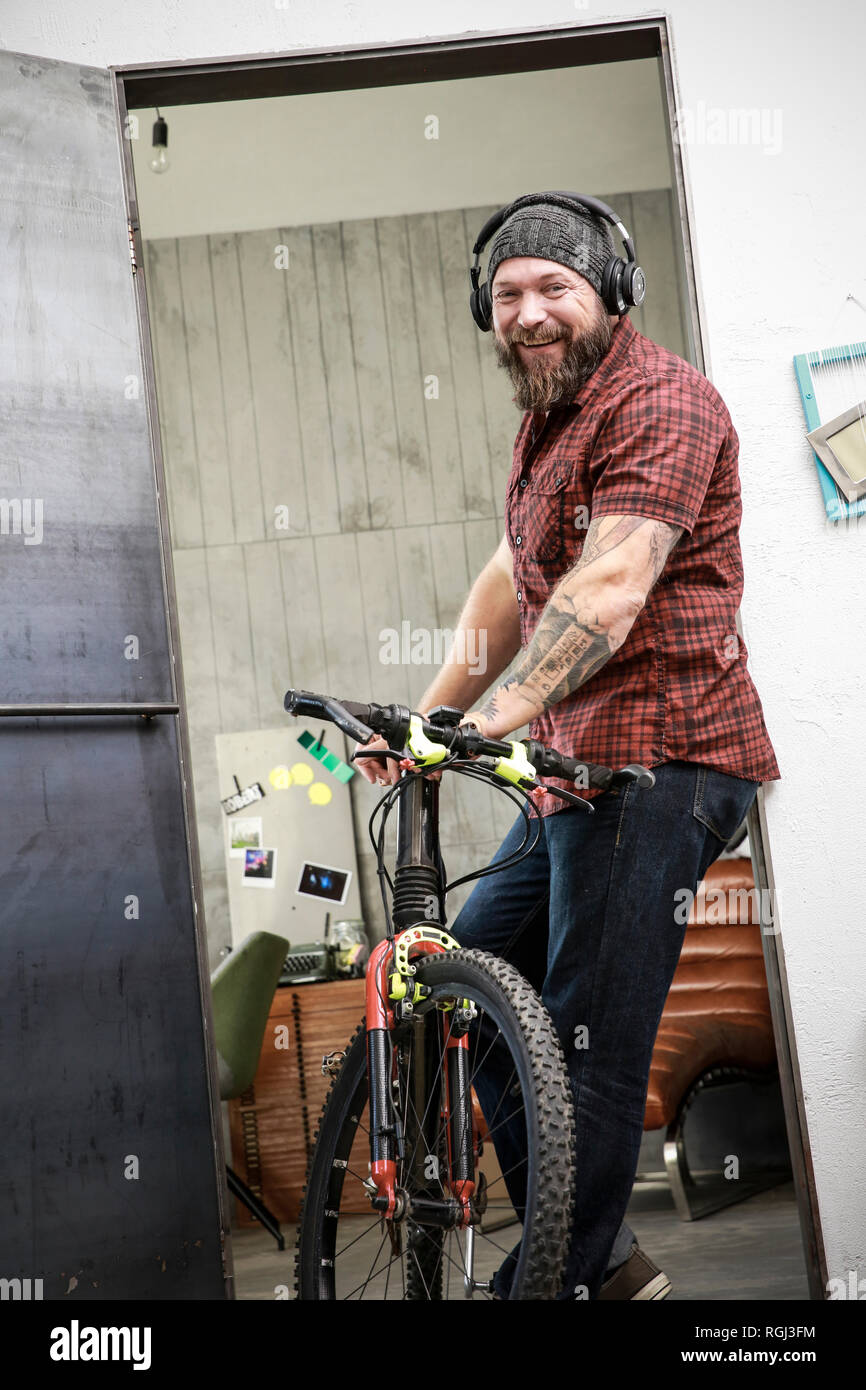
[(460, 1130), (392, 998), (457, 1110)]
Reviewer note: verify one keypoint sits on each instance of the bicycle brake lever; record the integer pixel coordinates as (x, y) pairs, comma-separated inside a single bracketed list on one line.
[(307, 705), (570, 797)]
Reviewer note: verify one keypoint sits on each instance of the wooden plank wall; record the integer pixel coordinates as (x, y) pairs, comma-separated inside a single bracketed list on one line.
[(318, 494)]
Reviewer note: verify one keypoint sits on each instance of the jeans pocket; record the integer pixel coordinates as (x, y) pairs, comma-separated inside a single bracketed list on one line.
[(721, 801)]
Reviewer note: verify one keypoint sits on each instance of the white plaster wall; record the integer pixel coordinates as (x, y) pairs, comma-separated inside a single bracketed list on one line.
[(779, 247)]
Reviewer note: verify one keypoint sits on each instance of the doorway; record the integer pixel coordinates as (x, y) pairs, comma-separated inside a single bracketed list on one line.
[(334, 447)]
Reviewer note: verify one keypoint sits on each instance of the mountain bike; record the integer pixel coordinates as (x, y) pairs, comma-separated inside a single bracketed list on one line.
[(455, 1061)]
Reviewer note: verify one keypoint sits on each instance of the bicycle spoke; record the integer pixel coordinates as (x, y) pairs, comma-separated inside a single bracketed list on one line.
[(414, 1255), (421, 1122), (451, 1259), (513, 1169), (482, 1235), (461, 1265), (492, 1131), (365, 1232), (377, 1275), (371, 1276), (350, 1172), (505, 1091)]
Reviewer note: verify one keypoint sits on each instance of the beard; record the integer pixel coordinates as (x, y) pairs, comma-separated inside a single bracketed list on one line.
[(540, 385)]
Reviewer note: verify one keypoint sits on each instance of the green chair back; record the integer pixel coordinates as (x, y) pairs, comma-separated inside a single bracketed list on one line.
[(242, 988)]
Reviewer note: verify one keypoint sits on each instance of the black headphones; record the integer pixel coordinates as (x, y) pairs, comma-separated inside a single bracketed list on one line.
[(623, 283)]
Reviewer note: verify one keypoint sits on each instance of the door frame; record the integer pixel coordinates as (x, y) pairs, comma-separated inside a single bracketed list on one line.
[(360, 66)]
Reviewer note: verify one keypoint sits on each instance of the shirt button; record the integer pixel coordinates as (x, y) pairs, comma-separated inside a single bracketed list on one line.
[(519, 596), (517, 540), (524, 482)]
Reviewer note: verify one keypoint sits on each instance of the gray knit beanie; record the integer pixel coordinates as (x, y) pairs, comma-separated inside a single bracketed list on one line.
[(555, 230)]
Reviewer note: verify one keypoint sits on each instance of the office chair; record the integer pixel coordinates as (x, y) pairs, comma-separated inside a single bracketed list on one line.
[(242, 988)]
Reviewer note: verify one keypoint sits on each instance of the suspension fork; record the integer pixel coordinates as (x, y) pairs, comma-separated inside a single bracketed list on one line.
[(389, 995), (417, 885), (417, 910), (457, 1115)]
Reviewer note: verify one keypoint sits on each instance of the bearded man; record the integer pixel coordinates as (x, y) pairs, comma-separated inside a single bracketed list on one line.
[(616, 586)]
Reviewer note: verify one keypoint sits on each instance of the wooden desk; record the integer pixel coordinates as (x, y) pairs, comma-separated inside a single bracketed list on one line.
[(273, 1124)]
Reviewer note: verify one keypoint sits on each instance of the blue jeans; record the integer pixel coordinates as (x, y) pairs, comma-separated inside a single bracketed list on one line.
[(591, 919)]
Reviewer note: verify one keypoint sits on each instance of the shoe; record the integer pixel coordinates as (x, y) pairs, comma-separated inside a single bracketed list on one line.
[(638, 1277)]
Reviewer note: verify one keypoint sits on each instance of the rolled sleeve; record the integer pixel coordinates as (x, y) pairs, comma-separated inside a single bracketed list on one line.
[(656, 451)]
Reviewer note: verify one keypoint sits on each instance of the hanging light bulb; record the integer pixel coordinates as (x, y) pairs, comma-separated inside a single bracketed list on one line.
[(159, 162)]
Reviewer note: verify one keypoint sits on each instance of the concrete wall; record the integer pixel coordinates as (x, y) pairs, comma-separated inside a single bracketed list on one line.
[(776, 228)]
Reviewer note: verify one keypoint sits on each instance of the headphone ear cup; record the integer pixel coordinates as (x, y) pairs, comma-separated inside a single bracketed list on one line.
[(482, 307), (611, 281), (634, 284)]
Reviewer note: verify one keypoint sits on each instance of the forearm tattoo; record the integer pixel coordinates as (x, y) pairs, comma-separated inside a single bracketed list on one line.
[(572, 642)]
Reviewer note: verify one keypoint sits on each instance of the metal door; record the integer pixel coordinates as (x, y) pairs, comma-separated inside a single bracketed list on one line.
[(112, 1179)]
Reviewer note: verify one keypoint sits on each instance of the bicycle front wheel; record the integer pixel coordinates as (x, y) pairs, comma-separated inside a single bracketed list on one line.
[(517, 1080)]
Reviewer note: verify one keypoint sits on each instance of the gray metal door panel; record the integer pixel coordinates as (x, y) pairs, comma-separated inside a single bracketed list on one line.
[(112, 1152), (108, 1166), (76, 446)]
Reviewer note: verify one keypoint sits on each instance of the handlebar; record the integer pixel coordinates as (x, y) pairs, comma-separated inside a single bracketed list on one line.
[(363, 721)]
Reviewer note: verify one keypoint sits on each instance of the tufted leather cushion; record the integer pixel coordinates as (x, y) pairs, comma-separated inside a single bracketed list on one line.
[(718, 1010)]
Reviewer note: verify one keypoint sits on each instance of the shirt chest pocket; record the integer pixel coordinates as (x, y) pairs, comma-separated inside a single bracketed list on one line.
[(546, 518)]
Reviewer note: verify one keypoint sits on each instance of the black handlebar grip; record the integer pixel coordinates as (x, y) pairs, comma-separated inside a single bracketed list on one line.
[(304, 702), (549, 762), (595, 775)]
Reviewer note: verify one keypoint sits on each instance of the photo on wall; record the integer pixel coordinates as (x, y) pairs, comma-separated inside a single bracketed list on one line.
[(260, 868), (244, 834), (323, 881)]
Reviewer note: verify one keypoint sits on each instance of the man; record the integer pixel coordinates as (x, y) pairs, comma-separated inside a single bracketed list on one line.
[(617, 580)]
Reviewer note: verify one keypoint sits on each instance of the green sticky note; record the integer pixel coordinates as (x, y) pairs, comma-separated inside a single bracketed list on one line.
[(342, 771)]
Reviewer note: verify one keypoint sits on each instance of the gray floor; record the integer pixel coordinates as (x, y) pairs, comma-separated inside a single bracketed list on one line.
[(751, 1250)]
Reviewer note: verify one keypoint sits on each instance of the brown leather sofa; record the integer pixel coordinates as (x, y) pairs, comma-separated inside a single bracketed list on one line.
[(716, 1026)]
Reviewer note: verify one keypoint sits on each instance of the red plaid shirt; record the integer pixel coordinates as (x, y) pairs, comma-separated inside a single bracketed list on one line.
[(647, 435)]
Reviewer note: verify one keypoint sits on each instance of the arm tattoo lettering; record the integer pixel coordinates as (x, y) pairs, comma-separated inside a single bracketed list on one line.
[(566, 649), (572, 642)]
